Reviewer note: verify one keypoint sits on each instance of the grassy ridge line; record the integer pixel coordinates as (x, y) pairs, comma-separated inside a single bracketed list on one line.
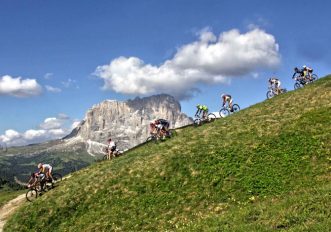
[(236, 174)]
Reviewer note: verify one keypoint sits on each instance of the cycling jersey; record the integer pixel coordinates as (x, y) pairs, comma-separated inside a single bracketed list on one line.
[(275, 82), (227, 98), (202, 107), (46, 168), (162, 124), (112, 146)]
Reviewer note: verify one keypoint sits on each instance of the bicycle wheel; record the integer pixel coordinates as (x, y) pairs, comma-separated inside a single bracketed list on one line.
[(197, 122), (270, 94), (314, 77), (57, 177), (235, 108), (224, 112), (152, 138), (297, 85), (31, 195), (211, 117)]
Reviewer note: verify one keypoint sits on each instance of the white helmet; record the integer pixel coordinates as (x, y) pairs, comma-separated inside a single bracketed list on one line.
[(304, 66), (222, 95)]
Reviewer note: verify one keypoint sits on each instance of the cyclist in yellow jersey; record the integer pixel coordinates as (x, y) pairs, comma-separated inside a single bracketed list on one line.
[(46, 169), (307, 72)]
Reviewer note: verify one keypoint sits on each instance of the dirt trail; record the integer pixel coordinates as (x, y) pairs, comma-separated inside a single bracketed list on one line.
[(9, 208)]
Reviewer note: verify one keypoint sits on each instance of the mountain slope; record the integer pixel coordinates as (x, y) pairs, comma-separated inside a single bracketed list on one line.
[(266, 167), (127, 122)]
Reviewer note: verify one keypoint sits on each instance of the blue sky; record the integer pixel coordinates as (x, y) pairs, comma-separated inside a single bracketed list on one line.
[(60, 44)]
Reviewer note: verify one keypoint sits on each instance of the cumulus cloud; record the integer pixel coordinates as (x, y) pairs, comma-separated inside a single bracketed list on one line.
[(52, 89), (19, 87), (209, 60), (51, 123), (51, 128)]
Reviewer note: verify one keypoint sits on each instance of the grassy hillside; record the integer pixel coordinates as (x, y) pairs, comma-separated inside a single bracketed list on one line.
[(7, 194), (21, 161), (265, 168)]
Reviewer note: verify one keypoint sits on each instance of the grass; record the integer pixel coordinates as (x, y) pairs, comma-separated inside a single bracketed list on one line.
[(21, 166), (8, 194), (265, 168)]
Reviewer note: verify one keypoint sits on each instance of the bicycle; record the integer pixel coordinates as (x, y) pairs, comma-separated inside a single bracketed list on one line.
[(41, 185), (301, 81), (198, 121), (114, 154), (157, 135), (273, 92), (226, 110)]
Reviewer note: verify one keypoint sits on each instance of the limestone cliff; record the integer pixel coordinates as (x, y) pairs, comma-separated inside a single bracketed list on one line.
[(127, 122)]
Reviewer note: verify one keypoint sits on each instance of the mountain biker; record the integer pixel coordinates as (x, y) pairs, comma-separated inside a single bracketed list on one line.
[(162, 125), (227, 99), (46, 169), (201, 109), (300, 71), (307, 72), (35, 176), (111, 147), (275, 84)]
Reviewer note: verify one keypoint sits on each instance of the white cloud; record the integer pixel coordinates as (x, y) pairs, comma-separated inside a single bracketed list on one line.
[(75, 124), (63, 116), (9, 135), (52, 89), (19, 87), (209, 60), (70, 83), (51, 123), (31, 135), (51, 128), (48, 76)]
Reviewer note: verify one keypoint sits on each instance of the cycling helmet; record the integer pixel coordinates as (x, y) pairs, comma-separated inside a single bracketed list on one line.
[(40, 165), (296, 69), (304, 66), (222, 95)]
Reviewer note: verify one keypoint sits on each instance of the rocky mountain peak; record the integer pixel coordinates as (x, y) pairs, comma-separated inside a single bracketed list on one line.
[(127, 121)]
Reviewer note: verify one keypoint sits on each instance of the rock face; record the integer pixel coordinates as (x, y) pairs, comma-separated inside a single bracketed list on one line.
[(127, 122)]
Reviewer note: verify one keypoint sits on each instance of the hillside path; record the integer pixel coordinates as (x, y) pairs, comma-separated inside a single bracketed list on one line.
[(9, 208)]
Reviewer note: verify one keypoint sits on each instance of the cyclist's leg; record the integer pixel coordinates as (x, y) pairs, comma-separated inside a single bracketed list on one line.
[(109, 154), (113, 151), (50, 173), (230, 104), (197, 113)]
